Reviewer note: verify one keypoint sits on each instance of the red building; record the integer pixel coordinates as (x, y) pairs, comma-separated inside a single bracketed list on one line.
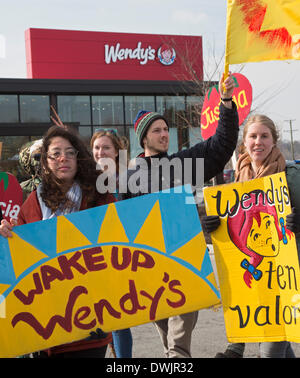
[(100, 80)]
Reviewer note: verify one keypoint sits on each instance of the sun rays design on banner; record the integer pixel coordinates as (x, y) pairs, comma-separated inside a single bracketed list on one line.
[(161, 223)]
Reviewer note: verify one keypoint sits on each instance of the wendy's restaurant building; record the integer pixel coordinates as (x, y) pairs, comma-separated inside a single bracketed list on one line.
[(100, 80)]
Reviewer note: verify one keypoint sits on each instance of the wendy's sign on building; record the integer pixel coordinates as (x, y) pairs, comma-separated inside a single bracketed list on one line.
[(70, 54), (242, 96), (166, 54), (115, 53)]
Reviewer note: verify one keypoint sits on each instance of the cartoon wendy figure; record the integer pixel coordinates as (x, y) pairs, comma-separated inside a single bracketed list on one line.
[(257, 232)]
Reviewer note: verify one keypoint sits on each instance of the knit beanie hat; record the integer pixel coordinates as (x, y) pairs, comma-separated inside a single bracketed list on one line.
[(142, 122)]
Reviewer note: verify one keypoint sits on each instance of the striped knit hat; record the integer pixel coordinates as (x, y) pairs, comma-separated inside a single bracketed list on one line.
[(142, 121)]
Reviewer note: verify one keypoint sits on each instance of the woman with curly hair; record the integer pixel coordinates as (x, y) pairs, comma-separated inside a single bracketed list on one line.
[(68, 184)]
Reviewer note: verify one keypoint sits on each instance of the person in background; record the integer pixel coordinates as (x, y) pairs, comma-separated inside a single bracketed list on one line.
[(29, 160), (106, 144), (259, 157), (152, 131), (68, 184)]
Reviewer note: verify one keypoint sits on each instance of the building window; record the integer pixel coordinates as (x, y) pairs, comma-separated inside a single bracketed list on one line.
[(75, 109), (34, 108), (194, 135), (193, 114), (193, 110), (173, 140), (107, 110), (133, 104), (173, 108), (86, 133), (9, 108)]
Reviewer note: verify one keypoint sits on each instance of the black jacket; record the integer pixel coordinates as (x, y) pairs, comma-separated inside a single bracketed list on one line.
[(162, 171)]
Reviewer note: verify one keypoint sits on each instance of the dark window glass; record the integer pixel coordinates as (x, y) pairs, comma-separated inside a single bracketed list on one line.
[(193, 110), (133, 104), (85, 133), (173, 108), (107, 110), (34, 108), (9, 108), (74, 109)]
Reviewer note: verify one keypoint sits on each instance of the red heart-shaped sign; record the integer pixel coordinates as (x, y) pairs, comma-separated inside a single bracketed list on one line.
[(242, 96)]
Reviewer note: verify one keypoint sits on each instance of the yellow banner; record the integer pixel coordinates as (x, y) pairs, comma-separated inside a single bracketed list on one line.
[(111, 267), (260, 30), (256, 259)]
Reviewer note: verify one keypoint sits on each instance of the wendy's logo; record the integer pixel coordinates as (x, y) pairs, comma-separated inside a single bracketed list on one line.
[(166, 55)]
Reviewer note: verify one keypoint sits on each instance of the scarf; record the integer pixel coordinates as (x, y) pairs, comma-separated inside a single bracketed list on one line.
[(74, 194), (274, 163)]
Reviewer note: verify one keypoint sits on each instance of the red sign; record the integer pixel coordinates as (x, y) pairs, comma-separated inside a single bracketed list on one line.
[(70, 54), (242, 96), (11, 196)]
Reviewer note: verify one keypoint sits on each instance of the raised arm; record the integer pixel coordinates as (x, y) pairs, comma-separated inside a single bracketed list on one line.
[(226, 88)]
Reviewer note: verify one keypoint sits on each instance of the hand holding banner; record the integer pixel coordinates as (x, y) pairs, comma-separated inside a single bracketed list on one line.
[(110, 267)]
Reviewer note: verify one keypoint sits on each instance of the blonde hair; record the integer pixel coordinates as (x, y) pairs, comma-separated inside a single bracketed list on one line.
[(119, 143), (264, 120)]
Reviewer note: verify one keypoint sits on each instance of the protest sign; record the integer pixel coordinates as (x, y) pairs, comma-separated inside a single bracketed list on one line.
[(256, 259), (110, 267), (242, 96), (11, 196)]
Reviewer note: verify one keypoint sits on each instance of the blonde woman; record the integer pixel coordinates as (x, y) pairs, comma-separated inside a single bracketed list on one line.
[(105, 145), (259, 157)]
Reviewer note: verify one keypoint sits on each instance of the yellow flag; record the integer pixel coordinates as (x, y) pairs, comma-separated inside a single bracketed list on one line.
[(260, 30)]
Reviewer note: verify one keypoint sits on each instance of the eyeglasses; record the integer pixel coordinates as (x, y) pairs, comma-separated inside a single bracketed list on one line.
[(69, 154), (112, 131)]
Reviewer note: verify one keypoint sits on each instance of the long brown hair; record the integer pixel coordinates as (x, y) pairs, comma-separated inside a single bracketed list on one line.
[(54, 189), (120, 143)]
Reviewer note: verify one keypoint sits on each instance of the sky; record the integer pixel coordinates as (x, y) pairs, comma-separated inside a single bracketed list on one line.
[(275, 85)]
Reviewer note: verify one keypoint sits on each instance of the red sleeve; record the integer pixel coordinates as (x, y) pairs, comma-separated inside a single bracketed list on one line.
[(108, 198), (30, 210), (102, 199)]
